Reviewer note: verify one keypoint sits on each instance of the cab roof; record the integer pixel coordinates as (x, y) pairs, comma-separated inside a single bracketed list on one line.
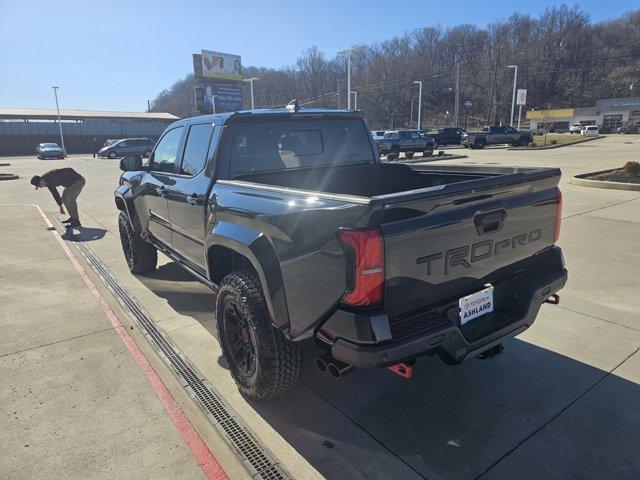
[(229, 117)]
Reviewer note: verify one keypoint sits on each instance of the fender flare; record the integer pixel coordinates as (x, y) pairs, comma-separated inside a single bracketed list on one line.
[(123, 195), (253, 245)]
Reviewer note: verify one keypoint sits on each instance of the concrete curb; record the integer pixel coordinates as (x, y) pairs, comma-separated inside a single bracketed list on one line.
[(5, 164), (586, 182), (8, 176), (560, 145)]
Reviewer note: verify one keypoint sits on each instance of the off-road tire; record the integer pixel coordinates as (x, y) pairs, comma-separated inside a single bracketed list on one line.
[(394, 153), (278, 361), (141, 256)]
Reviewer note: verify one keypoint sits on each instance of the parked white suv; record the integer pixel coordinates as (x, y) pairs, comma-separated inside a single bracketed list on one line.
[(575, 128), (590, 131)]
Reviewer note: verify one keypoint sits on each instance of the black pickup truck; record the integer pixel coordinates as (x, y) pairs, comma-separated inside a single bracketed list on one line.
[(290, 217)]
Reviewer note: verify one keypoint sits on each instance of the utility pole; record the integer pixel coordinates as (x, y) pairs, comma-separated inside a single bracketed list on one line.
[(419, 82), (148, 105), (251, 80), (55, 92), (338, 95), (513, 99), (456, 112)]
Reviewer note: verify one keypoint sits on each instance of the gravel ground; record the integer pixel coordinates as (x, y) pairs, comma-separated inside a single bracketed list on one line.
[(616, 176)]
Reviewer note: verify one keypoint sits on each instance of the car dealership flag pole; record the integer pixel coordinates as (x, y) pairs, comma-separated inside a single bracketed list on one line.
[(55, 92)]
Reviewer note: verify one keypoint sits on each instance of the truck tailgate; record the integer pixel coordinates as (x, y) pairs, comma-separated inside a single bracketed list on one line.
[(444, 243)]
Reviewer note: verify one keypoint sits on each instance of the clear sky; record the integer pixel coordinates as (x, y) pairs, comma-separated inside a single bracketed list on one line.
[(114, 55)]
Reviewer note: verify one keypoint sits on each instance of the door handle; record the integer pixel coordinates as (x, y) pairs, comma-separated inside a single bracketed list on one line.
[(193, 199)]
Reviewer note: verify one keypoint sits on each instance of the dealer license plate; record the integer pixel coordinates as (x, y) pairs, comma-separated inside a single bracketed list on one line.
[(475, 305)]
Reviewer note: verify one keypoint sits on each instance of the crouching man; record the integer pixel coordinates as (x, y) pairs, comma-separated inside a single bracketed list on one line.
[(73, 184)]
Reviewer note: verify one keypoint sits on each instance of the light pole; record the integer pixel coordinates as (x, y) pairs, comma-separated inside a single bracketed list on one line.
[(513, 100), (419, 82), (213, 102), (355, 100), (251, 80), (55, 92), (348, 53), (467, 105)]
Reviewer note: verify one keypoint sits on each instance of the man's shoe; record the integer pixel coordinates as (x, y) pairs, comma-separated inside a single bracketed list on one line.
[(74, 223), (68, 220)]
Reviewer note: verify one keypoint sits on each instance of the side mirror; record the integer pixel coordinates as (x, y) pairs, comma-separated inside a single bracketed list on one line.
[(131, 163)]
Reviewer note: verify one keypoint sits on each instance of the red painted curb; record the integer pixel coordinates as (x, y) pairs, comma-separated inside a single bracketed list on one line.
[(207, 462)]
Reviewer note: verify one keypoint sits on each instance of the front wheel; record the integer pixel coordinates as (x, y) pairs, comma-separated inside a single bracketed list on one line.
[(408, 154), (479, 144), (428, 151), (141, 256), (262, 361)]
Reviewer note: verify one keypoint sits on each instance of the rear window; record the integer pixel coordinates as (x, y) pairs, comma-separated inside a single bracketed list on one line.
[(297, 143)]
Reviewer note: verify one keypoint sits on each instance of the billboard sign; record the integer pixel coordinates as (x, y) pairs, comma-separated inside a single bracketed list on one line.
[(227, 98), (521, 97), (223, 66)]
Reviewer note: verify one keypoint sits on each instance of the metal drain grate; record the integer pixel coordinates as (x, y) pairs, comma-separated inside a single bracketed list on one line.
[(256, 458)]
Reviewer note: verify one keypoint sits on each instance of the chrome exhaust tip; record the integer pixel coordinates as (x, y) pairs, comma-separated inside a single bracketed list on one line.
[(338, 369), (322, 362)]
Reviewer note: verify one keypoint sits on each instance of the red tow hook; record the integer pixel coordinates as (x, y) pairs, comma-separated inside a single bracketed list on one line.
[(403, 370)]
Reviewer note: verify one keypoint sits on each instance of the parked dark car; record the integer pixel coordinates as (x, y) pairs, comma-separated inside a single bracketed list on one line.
[(407, 141), (448, 136), (628, 128), (304, 233), (496, 135), (49, 150), (128, 146)]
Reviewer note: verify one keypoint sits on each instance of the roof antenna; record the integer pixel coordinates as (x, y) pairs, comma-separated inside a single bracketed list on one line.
[(293, 106)]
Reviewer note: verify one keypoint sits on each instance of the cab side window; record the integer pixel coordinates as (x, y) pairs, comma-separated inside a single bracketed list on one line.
[(195, 150), (164, 156)]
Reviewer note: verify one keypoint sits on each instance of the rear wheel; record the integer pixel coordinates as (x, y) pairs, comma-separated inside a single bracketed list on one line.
[(394, 153), (479, 144), (141, 256), (262, 361), (428, 151)]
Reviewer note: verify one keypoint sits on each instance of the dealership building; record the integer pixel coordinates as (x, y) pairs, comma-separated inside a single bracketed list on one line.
[(608, 114), (22, 129)]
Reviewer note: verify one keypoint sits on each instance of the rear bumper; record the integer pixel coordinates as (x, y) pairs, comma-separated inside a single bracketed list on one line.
[(369, 341)]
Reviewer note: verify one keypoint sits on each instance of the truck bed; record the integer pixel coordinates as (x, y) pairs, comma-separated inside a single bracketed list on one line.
[(366, 180)]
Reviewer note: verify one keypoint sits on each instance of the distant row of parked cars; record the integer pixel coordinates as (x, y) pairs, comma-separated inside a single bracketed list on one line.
[(112, 148), (392, 143)]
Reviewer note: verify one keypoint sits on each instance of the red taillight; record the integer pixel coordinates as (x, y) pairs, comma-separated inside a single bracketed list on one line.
[(558, 214), (364, 266)]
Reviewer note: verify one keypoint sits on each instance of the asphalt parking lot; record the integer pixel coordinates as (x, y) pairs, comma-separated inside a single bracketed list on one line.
[(561, 402)]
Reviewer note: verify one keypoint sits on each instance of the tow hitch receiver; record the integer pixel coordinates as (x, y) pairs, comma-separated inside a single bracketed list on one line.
[(404, 370), (553, 299)]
